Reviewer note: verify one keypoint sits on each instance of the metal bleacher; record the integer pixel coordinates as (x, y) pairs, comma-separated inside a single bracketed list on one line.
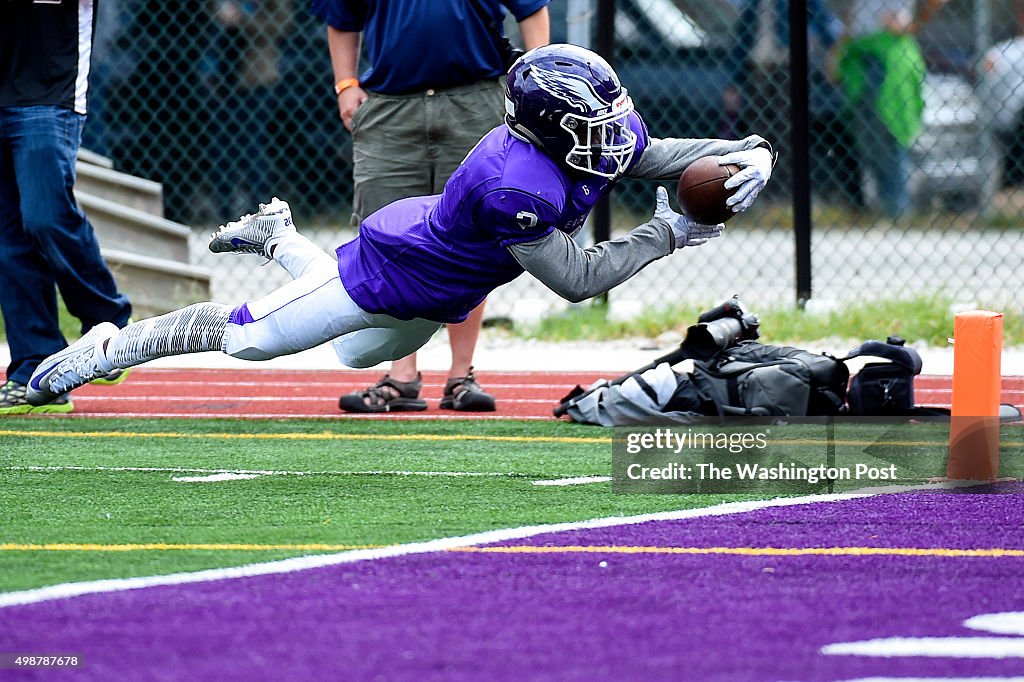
[(148, 254)]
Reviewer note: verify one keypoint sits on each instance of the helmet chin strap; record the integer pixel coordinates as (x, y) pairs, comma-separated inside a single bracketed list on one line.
[(521, 133)]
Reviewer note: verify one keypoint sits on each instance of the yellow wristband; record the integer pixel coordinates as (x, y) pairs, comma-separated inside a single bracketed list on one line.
[(344, 84)]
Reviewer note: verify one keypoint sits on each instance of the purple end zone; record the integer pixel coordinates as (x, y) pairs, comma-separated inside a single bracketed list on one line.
[(563, 616)]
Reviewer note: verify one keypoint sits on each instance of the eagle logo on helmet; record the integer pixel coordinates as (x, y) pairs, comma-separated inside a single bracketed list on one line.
[(578, 92)]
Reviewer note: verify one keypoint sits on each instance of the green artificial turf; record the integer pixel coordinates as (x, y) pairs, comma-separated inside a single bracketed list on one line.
[(97, 504), (354, 483)]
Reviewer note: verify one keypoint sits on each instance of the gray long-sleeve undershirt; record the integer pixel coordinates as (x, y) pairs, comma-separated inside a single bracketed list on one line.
[(575, 273)]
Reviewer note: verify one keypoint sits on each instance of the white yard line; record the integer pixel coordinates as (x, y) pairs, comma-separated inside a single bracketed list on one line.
[(304, 563), (931, 647), (214, 478), (575, 480)]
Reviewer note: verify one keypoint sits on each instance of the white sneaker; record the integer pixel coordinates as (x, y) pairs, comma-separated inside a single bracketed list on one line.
[(75, 366), (251, 233)]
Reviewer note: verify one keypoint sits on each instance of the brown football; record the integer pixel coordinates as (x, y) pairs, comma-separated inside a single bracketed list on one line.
[(701, 193)]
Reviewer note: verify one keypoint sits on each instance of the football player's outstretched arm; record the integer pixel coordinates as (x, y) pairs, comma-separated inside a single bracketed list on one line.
[(667, 158), (576, 274)]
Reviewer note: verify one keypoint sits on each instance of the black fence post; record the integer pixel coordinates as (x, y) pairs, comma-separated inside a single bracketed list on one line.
[(800, 147), (605, 44)]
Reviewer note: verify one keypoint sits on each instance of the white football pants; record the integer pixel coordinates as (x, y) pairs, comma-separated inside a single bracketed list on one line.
[(315, 308)]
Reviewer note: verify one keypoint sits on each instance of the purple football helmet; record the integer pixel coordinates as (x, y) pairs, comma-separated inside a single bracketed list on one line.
[(568, 101)]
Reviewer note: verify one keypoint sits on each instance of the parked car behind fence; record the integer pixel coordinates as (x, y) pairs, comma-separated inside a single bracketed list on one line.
[(947, 168), (1002, 91)]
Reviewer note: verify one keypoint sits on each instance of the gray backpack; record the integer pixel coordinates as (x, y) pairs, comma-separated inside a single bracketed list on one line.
[(762, 380), (747, 379)]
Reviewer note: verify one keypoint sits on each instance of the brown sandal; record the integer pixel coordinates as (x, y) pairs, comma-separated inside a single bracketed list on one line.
[(464, 394), (404, 396)]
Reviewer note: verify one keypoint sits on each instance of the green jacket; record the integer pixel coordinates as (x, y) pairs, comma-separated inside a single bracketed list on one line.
[(898, 100)]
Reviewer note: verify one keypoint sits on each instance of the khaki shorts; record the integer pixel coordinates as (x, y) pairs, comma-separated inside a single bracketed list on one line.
[(409, 145)]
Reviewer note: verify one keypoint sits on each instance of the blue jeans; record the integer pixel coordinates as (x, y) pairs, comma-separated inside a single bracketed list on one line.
[(46, 242)]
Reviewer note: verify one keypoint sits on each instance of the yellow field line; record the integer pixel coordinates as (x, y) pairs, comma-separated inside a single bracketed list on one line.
[(302, 436), (425, 437), (530, 549), (869, 443), (750, 551), (162, 546)]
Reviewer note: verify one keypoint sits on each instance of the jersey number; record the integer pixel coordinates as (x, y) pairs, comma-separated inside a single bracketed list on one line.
[(526, 219)]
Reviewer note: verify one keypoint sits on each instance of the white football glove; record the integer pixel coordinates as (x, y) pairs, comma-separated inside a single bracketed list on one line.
[(686, 231), (755, 169)]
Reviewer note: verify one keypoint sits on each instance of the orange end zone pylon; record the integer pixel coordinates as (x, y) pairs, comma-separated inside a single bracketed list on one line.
[(974, 429)]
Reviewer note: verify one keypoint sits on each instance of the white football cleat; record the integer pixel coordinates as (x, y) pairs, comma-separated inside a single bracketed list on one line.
[(75, 366), (254, 232)]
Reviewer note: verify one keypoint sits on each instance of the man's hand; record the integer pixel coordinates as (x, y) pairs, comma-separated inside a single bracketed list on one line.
[(687, 232), (756, 168), (349, 100)]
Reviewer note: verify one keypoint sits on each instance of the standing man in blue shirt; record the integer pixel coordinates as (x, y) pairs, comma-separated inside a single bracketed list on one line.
[(46, 242), (431, 91)]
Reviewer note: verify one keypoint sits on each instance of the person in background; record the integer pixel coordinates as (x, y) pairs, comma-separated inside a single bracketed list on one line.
[(431, 90), (46, 242), (242, 67), (759, 63), (881, 70), (162, 130)]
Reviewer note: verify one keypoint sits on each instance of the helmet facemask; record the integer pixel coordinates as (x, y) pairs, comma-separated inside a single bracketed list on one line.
[(602, 145), (568, 101)]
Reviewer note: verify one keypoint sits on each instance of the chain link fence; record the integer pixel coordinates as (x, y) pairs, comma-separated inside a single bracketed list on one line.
[(228, 103)]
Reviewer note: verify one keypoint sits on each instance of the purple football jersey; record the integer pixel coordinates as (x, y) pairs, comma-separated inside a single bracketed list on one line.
[(438, 257)]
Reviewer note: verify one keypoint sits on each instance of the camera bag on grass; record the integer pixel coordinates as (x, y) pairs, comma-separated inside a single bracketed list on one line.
[(884, 388), (762, 380), (658, 395), (748, 379), (756, 379), (733, 374)]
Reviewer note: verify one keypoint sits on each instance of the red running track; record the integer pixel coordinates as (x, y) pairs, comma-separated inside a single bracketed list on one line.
[(269, 394)]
